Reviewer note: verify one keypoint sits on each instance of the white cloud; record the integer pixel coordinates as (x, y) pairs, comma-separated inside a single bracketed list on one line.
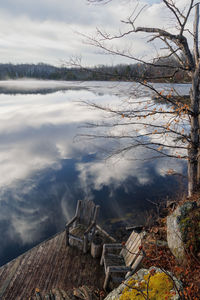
[(26, 227), (35, 31), (114, 172), (37, 134), (40, 135)]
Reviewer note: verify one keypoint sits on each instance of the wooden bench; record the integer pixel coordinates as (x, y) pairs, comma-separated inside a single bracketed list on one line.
[(124, 263)]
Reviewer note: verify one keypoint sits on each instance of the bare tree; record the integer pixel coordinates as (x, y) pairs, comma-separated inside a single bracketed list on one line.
[(175, 119)]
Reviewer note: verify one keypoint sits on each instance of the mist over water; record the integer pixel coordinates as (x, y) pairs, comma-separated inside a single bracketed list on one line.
[(46, 167)]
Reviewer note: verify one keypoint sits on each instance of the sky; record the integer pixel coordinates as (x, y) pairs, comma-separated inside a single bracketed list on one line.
[(51, 31)]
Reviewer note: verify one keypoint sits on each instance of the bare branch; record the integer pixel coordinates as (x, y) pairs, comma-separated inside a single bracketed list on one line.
[(179, 40), (187, 16), (170, 6), (183, 135)]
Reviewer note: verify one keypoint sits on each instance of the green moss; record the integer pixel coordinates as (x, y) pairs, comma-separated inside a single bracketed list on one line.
[(190, 229)]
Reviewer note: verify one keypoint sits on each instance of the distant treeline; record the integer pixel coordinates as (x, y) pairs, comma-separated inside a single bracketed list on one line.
[(160, 71)]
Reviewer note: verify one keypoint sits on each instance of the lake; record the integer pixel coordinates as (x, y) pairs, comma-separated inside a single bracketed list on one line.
[(46, 165)]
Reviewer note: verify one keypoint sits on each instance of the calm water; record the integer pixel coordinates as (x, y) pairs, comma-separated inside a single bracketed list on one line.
[(46, 167)]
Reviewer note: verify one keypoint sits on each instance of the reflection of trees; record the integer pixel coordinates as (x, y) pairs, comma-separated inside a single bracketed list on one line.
[(118, 72), (161, 128), (42, 91)]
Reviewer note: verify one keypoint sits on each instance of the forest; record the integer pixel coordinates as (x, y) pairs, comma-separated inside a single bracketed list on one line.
[(121, 72)]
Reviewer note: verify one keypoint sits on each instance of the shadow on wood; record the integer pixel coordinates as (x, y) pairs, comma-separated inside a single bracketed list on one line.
[(124, 263), (81, 229)]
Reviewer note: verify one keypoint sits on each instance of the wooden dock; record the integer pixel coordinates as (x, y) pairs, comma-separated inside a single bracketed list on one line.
[(50, 265)]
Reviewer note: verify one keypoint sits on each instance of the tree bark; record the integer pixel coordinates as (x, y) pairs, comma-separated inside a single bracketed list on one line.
[(194, 151), (193, 176)]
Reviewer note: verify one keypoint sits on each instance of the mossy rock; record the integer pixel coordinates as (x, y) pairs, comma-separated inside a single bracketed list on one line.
[(183, 230), (190, 229), (155, 282)]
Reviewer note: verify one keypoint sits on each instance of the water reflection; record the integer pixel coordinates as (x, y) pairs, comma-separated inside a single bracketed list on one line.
[(44, 170)]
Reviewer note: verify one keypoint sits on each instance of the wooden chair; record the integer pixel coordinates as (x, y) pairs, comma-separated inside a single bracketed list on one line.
[(126, 262), (82, 227)]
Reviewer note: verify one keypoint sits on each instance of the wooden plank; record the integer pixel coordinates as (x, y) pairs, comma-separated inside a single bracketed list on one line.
[(17, 280), (96, 213), (75, 238), (133, 244), (112, 246), (4, 272), (137, 245), (30, 270), (6, 283), (78, 231), (71, 221), (128, 243), (87, 212), (54, 261), (113, 260), (57, 294), (105, 234), (51, 259), (125, 249), (116, 269), (133, 249), (47, 266), (106, 281), (137, 262), (1, 272), (78, 208)]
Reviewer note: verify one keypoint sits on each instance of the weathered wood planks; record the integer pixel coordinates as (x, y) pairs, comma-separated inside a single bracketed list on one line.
[(132, 246), (47, 266), (86, 216), (127, 261)]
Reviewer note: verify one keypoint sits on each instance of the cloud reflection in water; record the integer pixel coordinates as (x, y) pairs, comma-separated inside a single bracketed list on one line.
[(44, 170)]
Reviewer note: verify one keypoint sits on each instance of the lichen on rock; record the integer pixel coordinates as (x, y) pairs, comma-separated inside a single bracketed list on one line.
[(152, 284)]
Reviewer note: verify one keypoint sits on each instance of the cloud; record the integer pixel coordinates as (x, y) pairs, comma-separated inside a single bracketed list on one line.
[(41, 135), (35, 31), (38, 153), (114, 172), (26, 227), (75, 12)]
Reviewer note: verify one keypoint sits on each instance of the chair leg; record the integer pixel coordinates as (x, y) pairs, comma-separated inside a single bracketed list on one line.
[(67, 236), (85, 244), (102, 256), (106, 281), (102, 260)]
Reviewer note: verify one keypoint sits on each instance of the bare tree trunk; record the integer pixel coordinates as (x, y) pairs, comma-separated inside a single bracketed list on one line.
[(194, 150), (193, 175), (196, 57), (192, 171)]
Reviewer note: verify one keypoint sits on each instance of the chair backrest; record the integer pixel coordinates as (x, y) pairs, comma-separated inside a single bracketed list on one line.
[(132, 250), (87, 212)]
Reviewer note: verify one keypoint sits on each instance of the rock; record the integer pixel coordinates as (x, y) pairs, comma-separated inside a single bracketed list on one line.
[(176, 232), (174, 238), (160, 285)]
